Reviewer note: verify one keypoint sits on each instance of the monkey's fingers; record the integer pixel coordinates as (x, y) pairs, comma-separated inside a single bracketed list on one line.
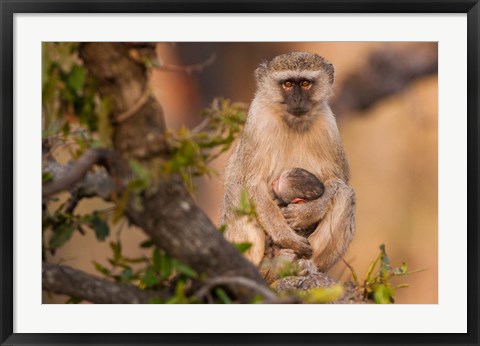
[(299, 245), (307, 267), (295, 218)]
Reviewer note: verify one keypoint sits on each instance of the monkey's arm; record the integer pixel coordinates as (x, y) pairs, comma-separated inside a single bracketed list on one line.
[(303, 215), (272, 221)]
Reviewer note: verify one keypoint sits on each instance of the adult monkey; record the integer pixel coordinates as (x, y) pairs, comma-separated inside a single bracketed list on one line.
[(290, 124)]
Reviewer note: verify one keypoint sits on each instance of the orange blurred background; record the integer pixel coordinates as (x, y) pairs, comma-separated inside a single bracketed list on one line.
[(392, 150)]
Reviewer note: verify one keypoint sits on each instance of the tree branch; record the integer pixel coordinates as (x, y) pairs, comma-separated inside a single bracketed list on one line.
[(63, 279), (188, 69), (168, 215), (387, 71), (235, 281), (65, 177)]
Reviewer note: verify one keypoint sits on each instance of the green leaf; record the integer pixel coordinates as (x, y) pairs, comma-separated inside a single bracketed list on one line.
[(242, 247), (74, 300), (61, 234), (184, 269), (146, 244), (244, 202), (127, 275), (382, 294), (150, 278), (222, 295), (121, 206), (166, 266), (155, 300), (402, 270), (101, 269), (371, 268), (323, 295), (46, 64), (46, 177), (117, 250), (76, 79), (156, 260), (222, 228), (384, 257), (105, 129), (100, 226), (142, 180)]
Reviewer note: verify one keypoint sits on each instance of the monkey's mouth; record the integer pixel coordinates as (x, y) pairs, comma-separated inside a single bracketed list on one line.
[(298, 111)]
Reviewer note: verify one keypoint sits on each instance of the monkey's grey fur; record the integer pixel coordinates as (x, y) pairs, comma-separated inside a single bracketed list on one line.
[(274, 140)]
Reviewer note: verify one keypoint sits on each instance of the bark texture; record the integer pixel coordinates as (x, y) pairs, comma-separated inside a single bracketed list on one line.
[(168, 215), (75, 283)]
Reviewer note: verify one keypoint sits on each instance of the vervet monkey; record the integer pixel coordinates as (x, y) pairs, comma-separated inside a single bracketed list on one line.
[(289, 125)]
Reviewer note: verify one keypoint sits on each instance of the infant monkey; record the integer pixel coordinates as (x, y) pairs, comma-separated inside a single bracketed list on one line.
[(293, 186), (297, 185)]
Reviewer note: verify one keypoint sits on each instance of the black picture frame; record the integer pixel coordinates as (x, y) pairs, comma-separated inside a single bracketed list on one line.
[(9, 8)]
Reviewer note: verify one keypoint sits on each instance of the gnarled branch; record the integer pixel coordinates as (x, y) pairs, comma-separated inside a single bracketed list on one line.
[(66, 280), (66, 177), (387, 71), (235, 281), (169, 215)]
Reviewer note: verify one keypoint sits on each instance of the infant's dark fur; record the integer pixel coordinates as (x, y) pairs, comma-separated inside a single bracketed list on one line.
[(297, 185)]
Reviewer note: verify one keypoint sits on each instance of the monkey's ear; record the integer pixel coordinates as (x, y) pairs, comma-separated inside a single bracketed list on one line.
[(261, 71), (330, 71)]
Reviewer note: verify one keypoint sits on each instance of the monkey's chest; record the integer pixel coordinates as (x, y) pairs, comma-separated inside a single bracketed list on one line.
[(309, 158)]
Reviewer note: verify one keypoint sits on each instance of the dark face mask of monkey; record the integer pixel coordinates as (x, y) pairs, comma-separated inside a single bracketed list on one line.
[(295, 186)]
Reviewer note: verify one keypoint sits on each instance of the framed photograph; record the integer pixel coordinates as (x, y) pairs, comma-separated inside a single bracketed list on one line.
[(239, 172)]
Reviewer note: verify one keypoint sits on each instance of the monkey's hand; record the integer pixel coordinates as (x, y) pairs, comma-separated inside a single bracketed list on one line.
[(301, 216), (291, 240), (273, 222), (307, 267)]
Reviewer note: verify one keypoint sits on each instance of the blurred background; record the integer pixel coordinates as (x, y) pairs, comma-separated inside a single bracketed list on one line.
[(385, 101)]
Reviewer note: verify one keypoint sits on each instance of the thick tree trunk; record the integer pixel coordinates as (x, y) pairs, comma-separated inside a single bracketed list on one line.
[(168, 215)]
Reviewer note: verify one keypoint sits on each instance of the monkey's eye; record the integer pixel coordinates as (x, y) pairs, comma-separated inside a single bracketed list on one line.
[(287, 84), (305, 84)]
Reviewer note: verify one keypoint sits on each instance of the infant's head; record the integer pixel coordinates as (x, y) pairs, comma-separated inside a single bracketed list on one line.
[(297, 185)]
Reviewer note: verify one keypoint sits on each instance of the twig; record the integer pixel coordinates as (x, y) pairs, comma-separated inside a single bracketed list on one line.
[(134, 109), (354, 273), (62, 279), (235, 281), (202, 125), (67, 180), (188, 69), (73, 202)]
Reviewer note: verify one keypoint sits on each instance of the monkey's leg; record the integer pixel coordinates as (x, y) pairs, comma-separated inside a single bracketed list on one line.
[(272, 266), (335, 231), (242, 230)]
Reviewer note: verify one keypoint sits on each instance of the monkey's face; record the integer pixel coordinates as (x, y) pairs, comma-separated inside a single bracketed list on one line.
[(297, 96), (297, 84)]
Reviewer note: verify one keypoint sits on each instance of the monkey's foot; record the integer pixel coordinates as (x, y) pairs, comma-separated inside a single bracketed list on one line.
[(307, 267)]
